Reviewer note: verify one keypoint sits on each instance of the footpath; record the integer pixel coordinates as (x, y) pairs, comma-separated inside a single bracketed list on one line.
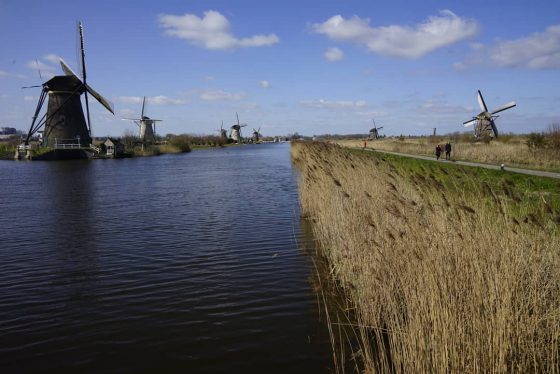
[(476, 164)]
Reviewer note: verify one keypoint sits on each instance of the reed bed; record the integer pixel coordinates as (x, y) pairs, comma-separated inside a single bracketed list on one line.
[(448, 268), (513, 152)]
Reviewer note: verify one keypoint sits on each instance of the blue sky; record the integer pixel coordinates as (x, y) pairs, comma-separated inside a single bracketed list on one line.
[(311, 67)]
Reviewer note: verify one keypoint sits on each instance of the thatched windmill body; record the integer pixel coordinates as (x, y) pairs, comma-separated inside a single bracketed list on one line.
[(374, 131), (222, 132), (146, 125), (484, 124), (256, 135), (235, 131), (65, 126)]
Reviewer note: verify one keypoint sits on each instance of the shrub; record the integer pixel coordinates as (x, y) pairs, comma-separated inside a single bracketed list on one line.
[(553, 135), (536, 140)]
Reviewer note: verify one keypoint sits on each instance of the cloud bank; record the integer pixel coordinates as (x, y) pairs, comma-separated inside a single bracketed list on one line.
[(538, 51), (334, 105), (212, 31), (153, 100), (400, 41)]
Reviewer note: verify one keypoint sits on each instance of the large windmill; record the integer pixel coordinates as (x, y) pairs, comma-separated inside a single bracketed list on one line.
[(65, 125), (374, 131), (235, 131), (146, 125), (256, 135), (484, 124)]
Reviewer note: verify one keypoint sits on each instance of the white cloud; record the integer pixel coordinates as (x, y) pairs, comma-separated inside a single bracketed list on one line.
[(441, 108), (55, 59), (219, 95), (537, 51), (153, 100), (264, 84), (334, 105), (209, 78), (334, 54), (14, 75), (400, 41), (212, 31)]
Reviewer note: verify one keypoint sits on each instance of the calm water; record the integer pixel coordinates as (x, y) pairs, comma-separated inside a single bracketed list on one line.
[(177, 263)]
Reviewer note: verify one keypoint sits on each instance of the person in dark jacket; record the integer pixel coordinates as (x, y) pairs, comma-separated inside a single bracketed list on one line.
[(448, 151), (438, 151)]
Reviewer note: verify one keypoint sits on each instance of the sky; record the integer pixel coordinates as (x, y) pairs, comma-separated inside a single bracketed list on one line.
[(311, 67)]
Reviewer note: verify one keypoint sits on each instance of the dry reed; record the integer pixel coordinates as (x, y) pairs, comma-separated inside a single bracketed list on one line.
[(514, 152), (445, 275)]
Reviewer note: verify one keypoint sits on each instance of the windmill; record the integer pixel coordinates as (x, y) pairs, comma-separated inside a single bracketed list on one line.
[(222, 132), (374, 132), (484, 122), (146, 125), (235, 131), (65, 125), (256, 135)]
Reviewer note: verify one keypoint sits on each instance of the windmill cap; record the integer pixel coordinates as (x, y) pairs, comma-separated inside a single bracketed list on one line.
[(65, 83)]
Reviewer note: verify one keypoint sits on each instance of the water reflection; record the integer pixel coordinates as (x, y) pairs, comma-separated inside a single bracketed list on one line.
[(173, 263)]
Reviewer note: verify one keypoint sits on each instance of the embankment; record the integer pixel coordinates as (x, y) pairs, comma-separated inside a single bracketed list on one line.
[(450, 269)]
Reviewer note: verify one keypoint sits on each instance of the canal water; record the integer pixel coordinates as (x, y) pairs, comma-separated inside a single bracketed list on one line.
[(177, 263)]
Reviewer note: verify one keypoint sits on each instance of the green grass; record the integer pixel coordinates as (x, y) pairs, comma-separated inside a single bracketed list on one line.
[(528, 197)]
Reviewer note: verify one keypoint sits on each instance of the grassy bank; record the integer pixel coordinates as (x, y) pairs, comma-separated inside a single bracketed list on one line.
[(512, 151), (450, 269)]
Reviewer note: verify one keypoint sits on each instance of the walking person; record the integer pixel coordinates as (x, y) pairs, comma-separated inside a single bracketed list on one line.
[(448, 151), (438, 151)]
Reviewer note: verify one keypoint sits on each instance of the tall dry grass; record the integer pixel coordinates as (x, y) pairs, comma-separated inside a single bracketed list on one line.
[(513, 152), (446, 275)]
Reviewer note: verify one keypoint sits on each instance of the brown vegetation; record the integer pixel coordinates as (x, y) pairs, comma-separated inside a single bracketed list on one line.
[(538, 150), (449, 269)]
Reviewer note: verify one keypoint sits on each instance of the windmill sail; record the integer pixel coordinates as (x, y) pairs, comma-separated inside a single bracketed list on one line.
[(106, 103), (481, 102), (504, 107), (470, 123)]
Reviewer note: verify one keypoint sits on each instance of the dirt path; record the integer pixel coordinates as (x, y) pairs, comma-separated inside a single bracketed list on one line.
[(487, 166)]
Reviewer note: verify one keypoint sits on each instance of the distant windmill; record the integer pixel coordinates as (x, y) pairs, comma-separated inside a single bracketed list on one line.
[(222, 132), (256, 135), (146, 125), (374, 132), (484, 122), (64, 121), (235, 132)]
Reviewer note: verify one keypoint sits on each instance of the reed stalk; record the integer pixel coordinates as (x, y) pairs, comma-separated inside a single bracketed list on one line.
[(450, 269)]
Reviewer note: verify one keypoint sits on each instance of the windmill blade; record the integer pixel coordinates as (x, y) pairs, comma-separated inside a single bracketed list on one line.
[(494, 128), (379, 128), (67, 70), (38, 70), (106, 103), (130, 119), (469, 123), (222, 127), (504, 107), (481, 102), (243, 125), (143, 104), (237, 115)]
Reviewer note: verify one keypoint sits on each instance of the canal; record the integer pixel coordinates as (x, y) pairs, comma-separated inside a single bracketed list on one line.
[(178, 263)]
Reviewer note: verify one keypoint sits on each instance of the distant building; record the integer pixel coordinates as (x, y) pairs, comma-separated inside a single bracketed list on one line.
[(8, 133), (113, 147)]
